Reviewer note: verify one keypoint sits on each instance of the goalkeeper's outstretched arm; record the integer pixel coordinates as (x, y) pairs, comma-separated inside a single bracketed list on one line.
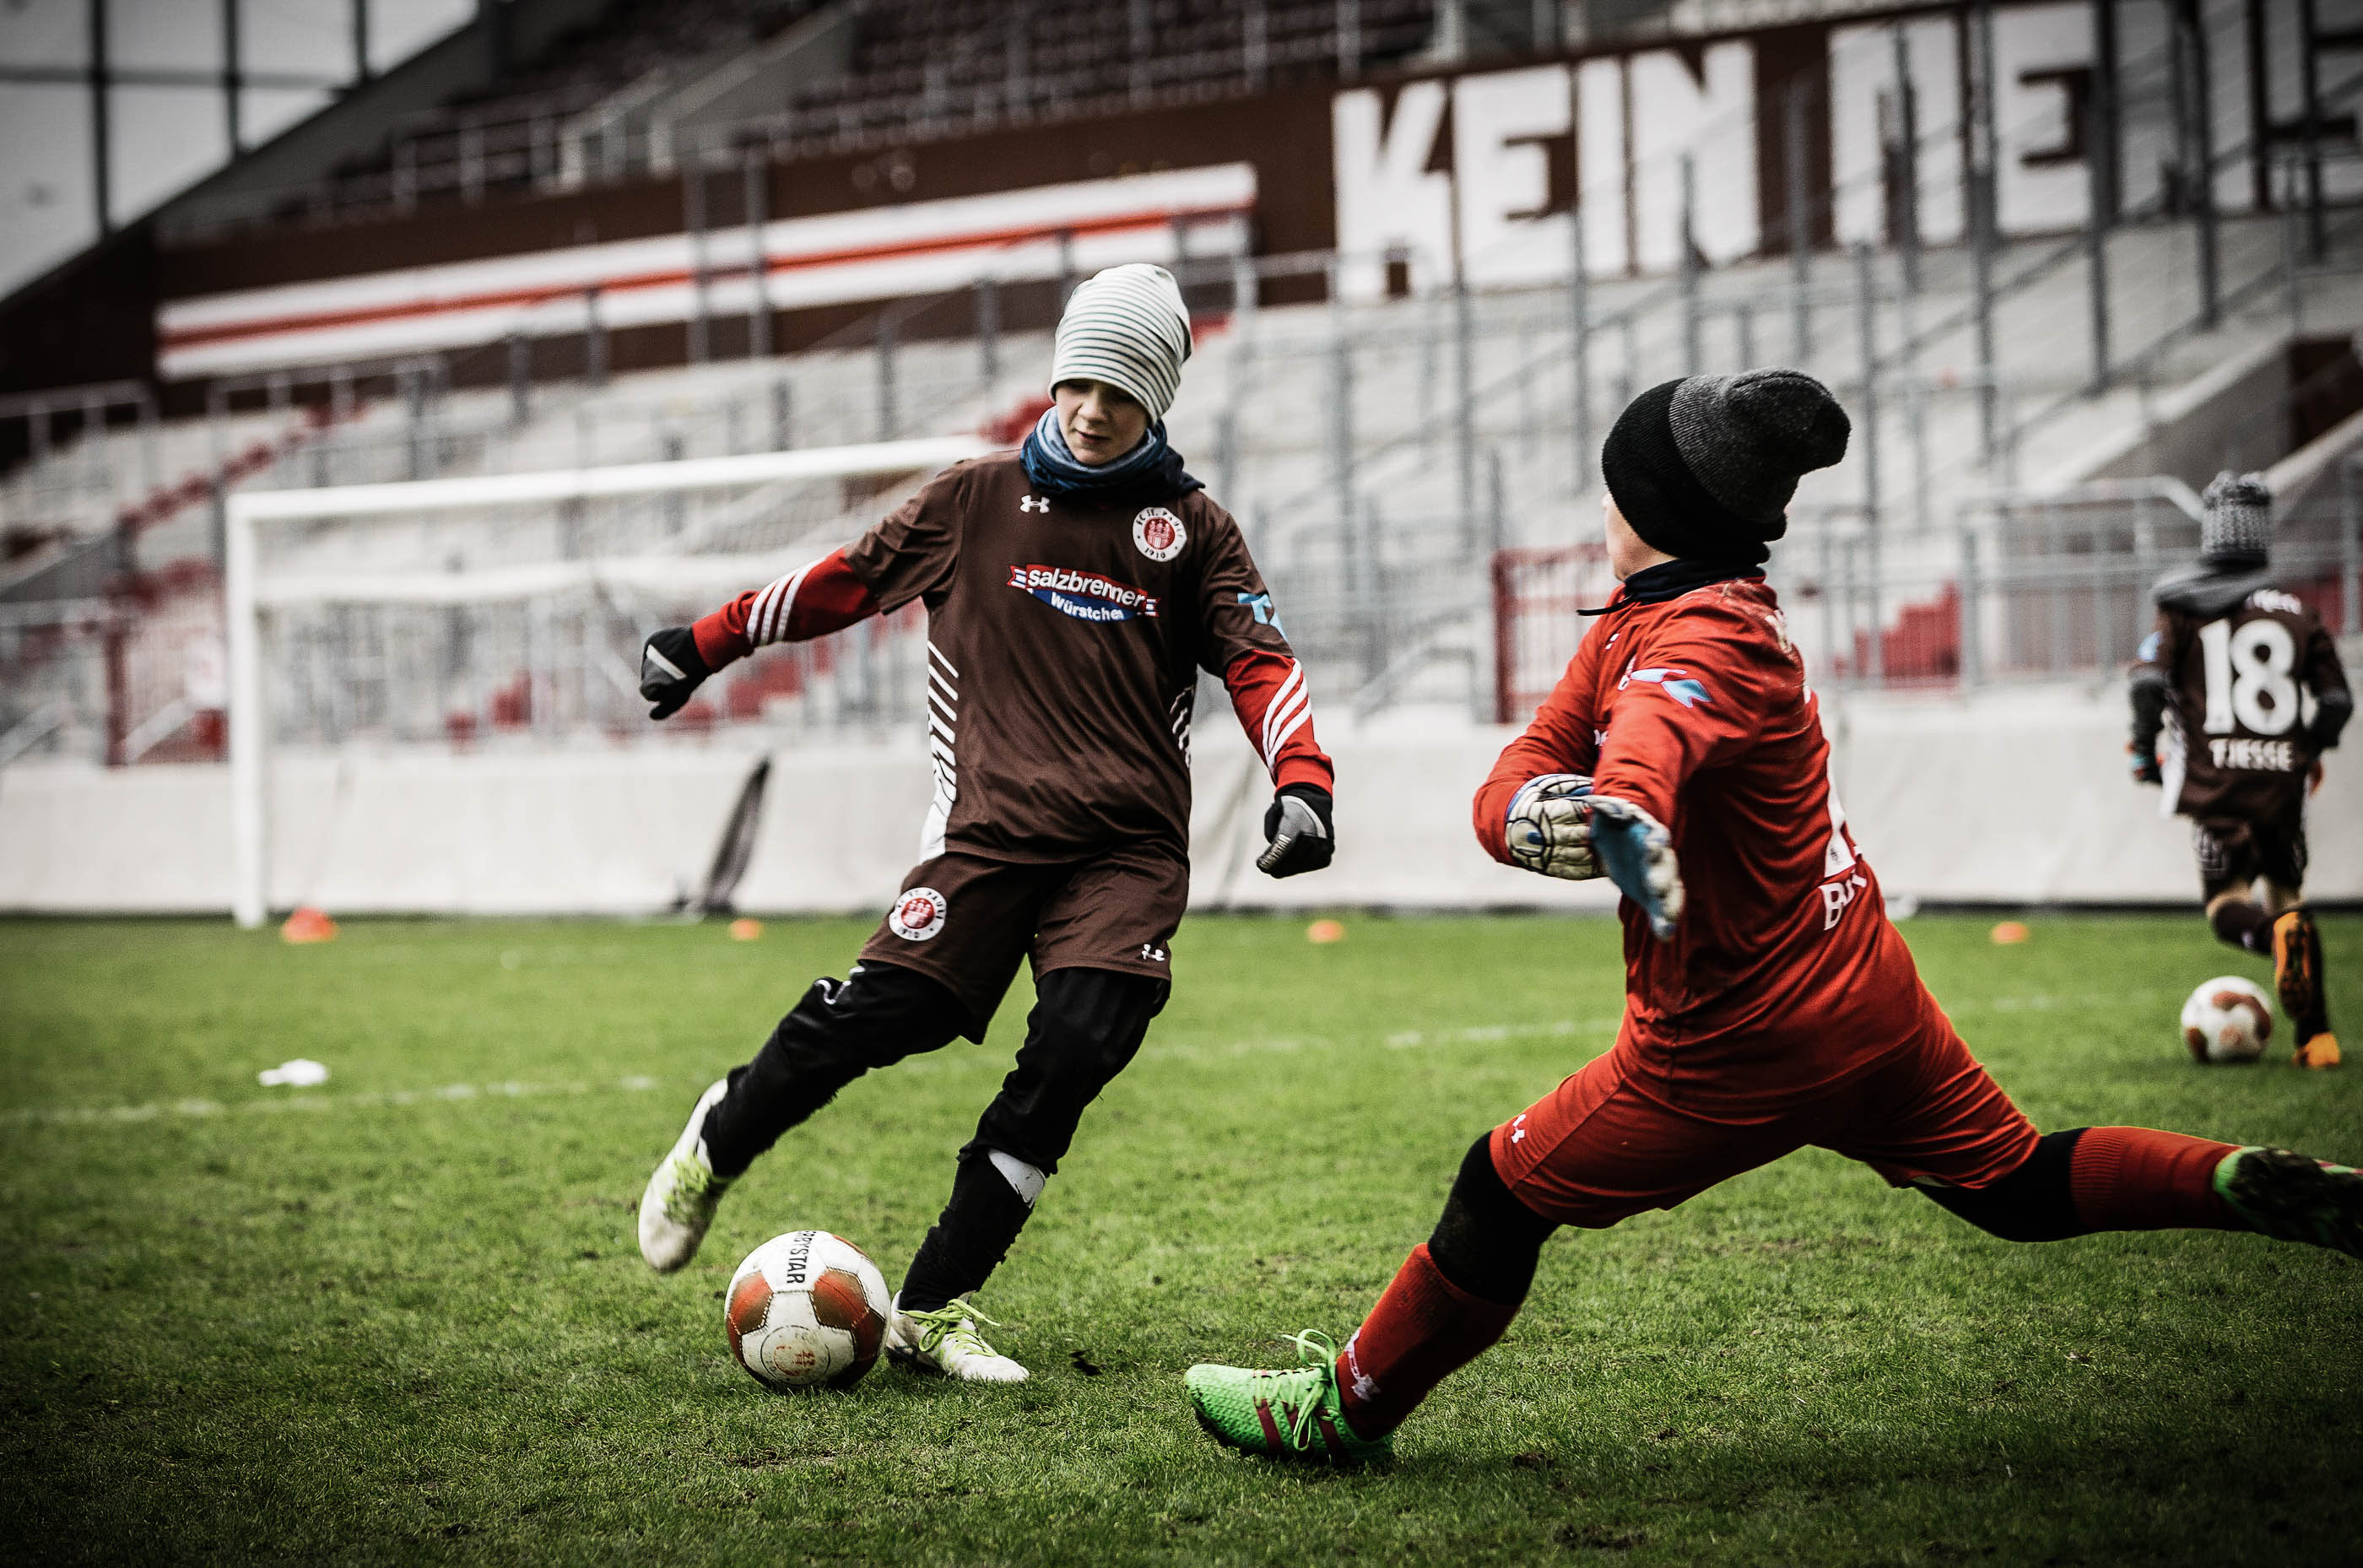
[(1583, 794), (810, 601)]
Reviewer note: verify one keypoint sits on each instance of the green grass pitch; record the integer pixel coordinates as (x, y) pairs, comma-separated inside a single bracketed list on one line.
[(402, 1317)]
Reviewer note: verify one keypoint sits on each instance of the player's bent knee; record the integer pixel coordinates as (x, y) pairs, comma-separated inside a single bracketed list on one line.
[(1487, 1242), (1086, 1027), (880, 1015), (1093, 1021), (2236, 920), (2036, 1202)]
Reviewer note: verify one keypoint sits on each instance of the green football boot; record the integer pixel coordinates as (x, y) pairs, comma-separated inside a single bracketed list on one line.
[(1285, 1414), (2293, 1198)]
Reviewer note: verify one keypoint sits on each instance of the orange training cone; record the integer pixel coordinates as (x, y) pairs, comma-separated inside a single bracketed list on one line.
[(308, 925)]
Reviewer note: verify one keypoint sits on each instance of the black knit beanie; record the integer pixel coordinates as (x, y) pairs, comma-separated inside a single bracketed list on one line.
[(1704, 468)]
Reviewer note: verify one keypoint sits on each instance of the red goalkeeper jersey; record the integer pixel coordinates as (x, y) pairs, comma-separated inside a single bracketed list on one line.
[(1784, 974)]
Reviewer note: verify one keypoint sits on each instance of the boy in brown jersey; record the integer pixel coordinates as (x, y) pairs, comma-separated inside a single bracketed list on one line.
[(2228, 673), (1073, 589)]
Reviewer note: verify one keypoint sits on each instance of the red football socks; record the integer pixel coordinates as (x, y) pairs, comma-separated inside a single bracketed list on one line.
[(2130, 1178), (1423, 1329)]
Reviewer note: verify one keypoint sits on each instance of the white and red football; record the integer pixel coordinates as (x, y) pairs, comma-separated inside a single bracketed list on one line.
[(2227, 1019), (806, 1310)]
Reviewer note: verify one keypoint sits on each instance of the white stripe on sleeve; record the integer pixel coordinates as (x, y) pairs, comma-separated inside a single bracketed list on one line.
[(1280, 701)]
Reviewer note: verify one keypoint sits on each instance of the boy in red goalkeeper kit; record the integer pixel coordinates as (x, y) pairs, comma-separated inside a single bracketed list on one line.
[(1770, 1005)]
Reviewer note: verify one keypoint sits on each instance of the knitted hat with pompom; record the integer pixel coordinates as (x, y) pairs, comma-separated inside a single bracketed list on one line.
[(2235, 525)]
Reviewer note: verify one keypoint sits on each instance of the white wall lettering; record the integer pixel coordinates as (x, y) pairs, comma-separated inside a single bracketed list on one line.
[(1502, 177), (1711, 116), (1600, 164), (1385, 196)]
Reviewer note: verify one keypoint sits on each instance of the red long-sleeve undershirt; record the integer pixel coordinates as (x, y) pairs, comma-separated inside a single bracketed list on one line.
[(1275, 707), (810, 601), (1268, 689)]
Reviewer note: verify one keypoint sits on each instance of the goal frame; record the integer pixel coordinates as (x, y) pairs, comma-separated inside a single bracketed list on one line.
[(245, 599)]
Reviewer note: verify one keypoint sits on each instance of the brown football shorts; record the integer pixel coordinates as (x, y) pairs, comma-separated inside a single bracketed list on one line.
[(2234, 851), (966, 921)]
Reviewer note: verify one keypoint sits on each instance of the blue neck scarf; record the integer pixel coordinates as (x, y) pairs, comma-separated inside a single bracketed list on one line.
[(1151, 470)]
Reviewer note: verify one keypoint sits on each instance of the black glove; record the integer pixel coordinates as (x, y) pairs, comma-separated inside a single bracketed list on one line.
[(2332, 709), (670, 669), (2150, 695), (1297, 824)]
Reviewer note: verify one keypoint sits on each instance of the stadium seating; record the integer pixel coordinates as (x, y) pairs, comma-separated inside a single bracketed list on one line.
[(1389, 602), (583, 108)]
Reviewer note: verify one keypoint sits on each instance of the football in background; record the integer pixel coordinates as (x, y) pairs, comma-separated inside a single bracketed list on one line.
[(2227, 1019), (806, 1310)]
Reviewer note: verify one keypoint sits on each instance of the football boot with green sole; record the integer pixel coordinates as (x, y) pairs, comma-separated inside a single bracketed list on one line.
[(1285, 1415), (2293, 1198)]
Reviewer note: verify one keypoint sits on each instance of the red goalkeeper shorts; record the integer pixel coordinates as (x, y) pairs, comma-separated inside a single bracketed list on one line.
[(1602, 1147)]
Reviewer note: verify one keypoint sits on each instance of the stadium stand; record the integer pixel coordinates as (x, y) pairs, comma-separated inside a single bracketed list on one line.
[(1411, 460), (635, 88)]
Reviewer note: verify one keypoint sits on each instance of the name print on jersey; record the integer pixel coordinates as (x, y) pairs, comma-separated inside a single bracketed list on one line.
[(1086, 595), (1158, 534), (2257, 756)]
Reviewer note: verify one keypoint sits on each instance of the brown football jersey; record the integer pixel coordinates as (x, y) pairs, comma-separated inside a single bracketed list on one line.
[(2241, 674), (1064, 639)]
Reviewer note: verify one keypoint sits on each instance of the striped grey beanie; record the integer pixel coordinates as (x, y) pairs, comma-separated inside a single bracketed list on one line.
[(2236, 526), (1129, 328)]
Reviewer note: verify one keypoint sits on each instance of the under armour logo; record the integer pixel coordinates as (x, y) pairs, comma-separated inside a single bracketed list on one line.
[(1034, 503), (1151, 953), (1519, 1128)]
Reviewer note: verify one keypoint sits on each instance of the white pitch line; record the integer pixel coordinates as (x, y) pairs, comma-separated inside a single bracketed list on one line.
[(1404, 1039), (2040, 1002), (196, 1108)]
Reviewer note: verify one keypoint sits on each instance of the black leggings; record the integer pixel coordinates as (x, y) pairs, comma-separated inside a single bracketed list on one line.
[(1085, 1028), (1487, 1242)]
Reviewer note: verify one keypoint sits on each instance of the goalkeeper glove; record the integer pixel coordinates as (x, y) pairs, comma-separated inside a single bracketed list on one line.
[(1549, 833), (1559, 828), (1297, 824), (670, 669)]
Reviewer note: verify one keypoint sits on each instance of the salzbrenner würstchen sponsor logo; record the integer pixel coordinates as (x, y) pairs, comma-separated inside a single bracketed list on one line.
[(1086, 595)]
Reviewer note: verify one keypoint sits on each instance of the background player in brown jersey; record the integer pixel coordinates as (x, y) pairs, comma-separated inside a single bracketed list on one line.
[(1074, 589), (2228, 675)]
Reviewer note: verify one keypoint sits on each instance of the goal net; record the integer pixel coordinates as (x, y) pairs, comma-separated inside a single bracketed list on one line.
[(507, 611)]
